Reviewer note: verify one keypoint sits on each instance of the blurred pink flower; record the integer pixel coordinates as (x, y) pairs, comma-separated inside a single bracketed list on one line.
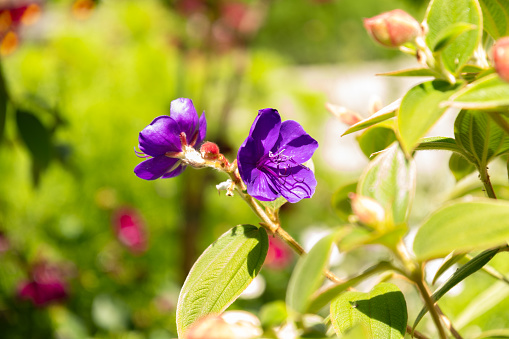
[(130, 229), (46, 285), (279, 255)]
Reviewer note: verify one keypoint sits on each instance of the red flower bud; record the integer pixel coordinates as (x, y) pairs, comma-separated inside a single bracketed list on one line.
[(500, 53), (209, 150), (394, 28)]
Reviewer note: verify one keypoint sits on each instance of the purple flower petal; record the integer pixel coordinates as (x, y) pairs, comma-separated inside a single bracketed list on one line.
[(160, 136), (248, 156), (295, 142), (202, 129), (261, 187), (177, 171), (183, 112), (295, 183), (154, 168), (265, 129)]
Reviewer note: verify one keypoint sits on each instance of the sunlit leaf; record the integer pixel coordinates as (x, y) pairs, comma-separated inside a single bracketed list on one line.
[(375, 139), (390, 180), (462, 227), (308, 273), (447, 36), (495, 17), (221, 273), (444, 14), (420, 109), (385, 113), (489, 92), (413, 72), (382, 311)]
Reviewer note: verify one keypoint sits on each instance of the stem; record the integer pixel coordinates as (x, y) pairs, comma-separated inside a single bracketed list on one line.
[(485, 178), (272, 224), (431, 305), (448, 323), (415, 333)]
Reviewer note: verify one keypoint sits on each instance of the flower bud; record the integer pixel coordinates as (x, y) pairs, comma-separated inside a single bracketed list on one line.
[(209, 150), (343, 114), (500, 54), (368, 210), (394, 28)]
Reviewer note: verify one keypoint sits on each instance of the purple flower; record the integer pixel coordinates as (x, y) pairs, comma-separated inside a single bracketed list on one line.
[(167, 137), (270, 159)]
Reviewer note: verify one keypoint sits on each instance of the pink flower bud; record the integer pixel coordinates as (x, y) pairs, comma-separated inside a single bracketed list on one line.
[(394, 28), (209, 150), (500, 56), (368, 210), (46, 285)]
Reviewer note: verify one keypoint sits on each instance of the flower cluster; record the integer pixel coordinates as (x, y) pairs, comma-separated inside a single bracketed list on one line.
[(270, 159)]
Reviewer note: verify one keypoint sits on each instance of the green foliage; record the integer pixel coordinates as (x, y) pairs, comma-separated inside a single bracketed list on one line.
[(376, 138), (308, 273), (390, 180), (420, 109), (221, 273), (495, 17), (450, 24), (382, 312), (488, 93), (460, 166), (385, 113), (461, 227)]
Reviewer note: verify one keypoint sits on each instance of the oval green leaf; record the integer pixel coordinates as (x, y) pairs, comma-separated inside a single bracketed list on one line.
[(420, 109), (487, 93), (449, 34), (495, 17), (444, 14), (462, 227), (382, 312), (390, 180), (375, 139), (460, 167), (221, 273), (480, 136), (308, 273)]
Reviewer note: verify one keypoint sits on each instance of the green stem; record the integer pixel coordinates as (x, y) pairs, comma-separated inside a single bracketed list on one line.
[(419, 281), (485, 178)]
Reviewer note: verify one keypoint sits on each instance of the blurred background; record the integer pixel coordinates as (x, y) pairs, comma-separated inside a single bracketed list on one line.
[(87, 249)]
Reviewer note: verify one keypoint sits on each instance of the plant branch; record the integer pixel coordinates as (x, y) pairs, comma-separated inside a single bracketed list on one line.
[(425, 293), (485, 178), (415, 333), (448, 323)]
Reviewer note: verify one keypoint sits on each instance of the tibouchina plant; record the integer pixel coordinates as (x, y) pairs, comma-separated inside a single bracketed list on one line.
[(462, 45)]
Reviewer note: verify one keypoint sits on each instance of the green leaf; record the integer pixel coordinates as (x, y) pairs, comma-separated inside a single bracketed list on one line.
[(308, 273), (487, 93), (385, 113), (461, 274), (35, 136), (479, 135), (375, 139), (450, 260), (449, 34), (221, 273), (413, 72), (341, 202), (462, 227), (323, 297), (420, 109), (460, 167), (495, 17), (439, 144), (390, 180), (273, 314), (444, 14), (382, 312)]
